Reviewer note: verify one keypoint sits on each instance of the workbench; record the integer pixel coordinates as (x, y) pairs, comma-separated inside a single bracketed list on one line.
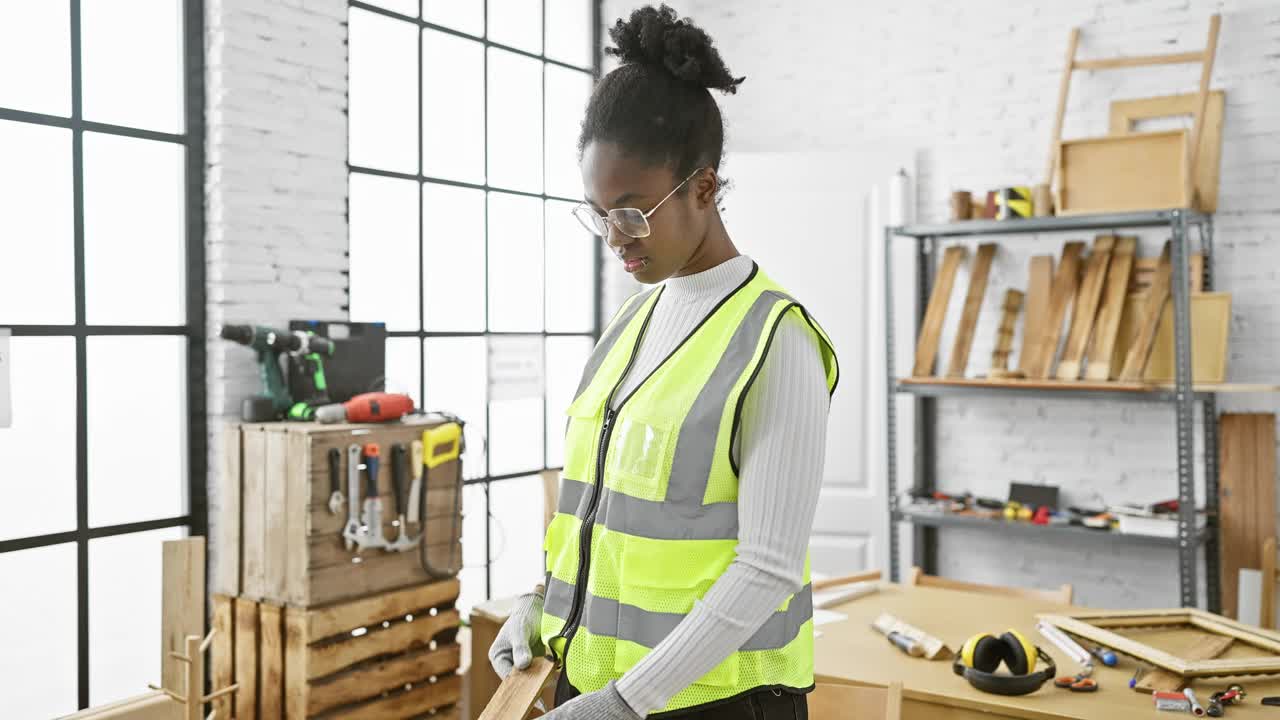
[(850, 652)]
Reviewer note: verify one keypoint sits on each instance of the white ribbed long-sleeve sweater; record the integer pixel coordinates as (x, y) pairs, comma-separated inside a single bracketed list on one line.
[(780, 451)]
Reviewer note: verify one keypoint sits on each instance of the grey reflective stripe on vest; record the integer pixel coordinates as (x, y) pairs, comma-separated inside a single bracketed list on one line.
[(610, 618), (696, 445), (652, 519), (610, 338)]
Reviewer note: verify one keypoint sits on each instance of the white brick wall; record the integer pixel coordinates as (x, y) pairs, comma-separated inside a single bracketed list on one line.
[(973, 85), (276, 181)]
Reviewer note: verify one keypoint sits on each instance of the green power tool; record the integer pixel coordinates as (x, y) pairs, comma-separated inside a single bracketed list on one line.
[(269, 343)]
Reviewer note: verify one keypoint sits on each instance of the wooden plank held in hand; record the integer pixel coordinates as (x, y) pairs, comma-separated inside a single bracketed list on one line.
[(518, 691), (1086, 308), (1065, 282), (1247, 496), (1112, 304), (1140, 351), (1204, 647), (972, 305), (1004, 335), (1039, 282), (936, 312)]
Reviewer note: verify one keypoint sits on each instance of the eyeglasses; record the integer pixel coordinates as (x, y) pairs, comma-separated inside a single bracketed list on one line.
[(632, 222)]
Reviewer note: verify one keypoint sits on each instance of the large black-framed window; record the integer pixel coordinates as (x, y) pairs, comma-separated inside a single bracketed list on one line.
[(464, 117), (102, 286)]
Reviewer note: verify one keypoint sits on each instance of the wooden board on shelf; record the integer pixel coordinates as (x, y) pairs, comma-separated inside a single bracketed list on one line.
[(972, 305), (1004, 333), (1061, 294), (1246, 495), (1110, 309), (1039, 282), (1144, 272), (1070, 385), (1125, 114), (1210, 329), (1135, 361), (936, 312), (1123, 173), (1085, 308)]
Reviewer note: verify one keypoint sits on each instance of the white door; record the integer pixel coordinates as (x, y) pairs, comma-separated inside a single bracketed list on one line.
[(814, 222)]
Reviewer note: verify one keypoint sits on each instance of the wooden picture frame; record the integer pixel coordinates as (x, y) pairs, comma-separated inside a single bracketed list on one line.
[(1098, 627)]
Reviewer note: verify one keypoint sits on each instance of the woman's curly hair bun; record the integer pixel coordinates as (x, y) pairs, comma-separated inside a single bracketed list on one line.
[(658, 37)]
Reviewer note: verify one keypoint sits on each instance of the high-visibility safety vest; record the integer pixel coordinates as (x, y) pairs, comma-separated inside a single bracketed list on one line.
[(652, 489)]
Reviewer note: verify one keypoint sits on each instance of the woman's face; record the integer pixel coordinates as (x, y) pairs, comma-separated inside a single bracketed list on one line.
[(612, 179)]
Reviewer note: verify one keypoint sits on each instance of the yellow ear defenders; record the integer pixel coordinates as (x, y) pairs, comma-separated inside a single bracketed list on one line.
[(982, 654)]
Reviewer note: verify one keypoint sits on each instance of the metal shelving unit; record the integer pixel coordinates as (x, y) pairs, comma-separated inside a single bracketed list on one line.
[(1182, 397)]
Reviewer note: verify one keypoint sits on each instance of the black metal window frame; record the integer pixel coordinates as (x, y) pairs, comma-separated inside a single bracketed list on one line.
[(422, 334), (196, 518)]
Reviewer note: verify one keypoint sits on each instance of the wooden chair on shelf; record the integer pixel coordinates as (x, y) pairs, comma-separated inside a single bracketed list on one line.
[(830, 701), (1061, 596)]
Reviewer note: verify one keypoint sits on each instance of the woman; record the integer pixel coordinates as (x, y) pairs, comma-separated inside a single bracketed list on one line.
[(677, 562)]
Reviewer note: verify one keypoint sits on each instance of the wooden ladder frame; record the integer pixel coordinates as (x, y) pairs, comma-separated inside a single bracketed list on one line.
[(1203, 57)]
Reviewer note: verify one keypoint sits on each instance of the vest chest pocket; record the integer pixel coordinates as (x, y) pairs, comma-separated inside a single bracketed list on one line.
[(639, 460)]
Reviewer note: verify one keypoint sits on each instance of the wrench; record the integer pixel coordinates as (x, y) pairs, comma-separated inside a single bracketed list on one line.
[(402, 542), (351, 533), (335, 480), (372, 536)]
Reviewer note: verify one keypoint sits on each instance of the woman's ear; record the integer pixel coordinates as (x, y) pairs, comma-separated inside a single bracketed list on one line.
[(705, 187)]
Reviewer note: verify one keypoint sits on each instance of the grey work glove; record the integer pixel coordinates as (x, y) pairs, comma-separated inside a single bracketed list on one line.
[(520, 638), (604, 704)]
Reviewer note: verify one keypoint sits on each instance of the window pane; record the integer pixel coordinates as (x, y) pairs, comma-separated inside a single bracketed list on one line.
[(35, 222), (567, 94), (37, 38), (473, 548), (571, 276), (516, 377), (129, 480), (404, 363), (38, 660), (404, 7), (384, 251), (452, 107), (131, 60), (515, 121), (39, 450), (383, 104), (516, 554), (124, 612), (515, 263), (453, 257), (569, 31), (517, 23), (457, 373), (133, 230), (464, 15), (566, 357)]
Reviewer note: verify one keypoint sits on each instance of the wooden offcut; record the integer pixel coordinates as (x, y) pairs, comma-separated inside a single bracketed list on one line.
[(1201, 646), (1210, 329), (936, 312), (1085, 308), (1063, 291), (360, 659), (1110, 308), (225, 576), (1004, 334), (1097, 627), (1125, 114), (518, 691), (1145, 269), (1267, 603), (1039, 283), (1246, 496), (1135, 361), (182, 603), (972, 305)]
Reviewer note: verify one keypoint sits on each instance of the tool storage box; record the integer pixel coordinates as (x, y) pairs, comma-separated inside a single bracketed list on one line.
[(277, 539), (391, 655)]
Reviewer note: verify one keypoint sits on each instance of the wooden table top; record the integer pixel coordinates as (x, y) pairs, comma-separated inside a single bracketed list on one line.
[(851, 651)]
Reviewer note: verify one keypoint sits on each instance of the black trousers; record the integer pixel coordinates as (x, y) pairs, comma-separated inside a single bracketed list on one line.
[(763, 704)]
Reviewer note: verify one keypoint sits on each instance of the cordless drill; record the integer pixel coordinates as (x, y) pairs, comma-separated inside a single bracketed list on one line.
[(269, 343), (308, 361)]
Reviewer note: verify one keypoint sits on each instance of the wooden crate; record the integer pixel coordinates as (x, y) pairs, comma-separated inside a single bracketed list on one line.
[(278, 541), (1121, 173), (361, 659)]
